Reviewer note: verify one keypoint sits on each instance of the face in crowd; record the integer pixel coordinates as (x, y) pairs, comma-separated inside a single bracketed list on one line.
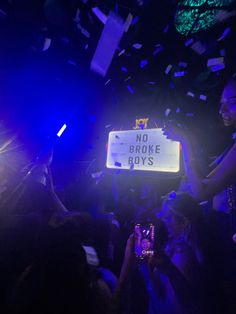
[(228, 104)]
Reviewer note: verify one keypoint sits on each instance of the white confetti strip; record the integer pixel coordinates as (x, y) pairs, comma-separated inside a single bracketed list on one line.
[(190, 94), (130, 89), (214, 61), (168, 68), (167, 112), (203, 97), (137, 46), (47, 44), (121, 52), (100, 15)]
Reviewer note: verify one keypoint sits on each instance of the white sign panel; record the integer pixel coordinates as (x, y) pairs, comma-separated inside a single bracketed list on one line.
[(147, 150)]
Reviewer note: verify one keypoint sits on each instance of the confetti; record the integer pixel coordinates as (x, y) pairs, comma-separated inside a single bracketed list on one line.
[(166, 28), (151, 83), (127, 78), (188, 42), (72, 62), (100, 15), (143, 63), (224, 34), (198, 47), (77, 16), (130, 89), (169, 67), (189, 114), (167, 112), (158, 49), (215, 61), (86, 46), (182, 73), (224, 15), (96, 175), (124, 69), (217, 67), (128, 22), (2, 13), (107, 45), (190, 94), (135, 20), (47, 43), (121, 52), (107, 82), (108, 126), (183, 64), (137, 46), (177, 110), (118, 164), (222, 52), (203, 97)]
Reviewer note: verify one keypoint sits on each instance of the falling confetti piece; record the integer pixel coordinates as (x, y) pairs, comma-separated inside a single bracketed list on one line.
[(137, 46), (135, 20), (130, 89), (143, 63), (100, 15), (214, 61), (124, 69), (224, 34), (107, 45), (72, 62), (2, 13), (108, 126), (217, 67), (152, 83), (167, 112), (189, 114), (198, 47), (188, 42), (107, 82), (121, 52), (127, 78), (182, 73), (169, 67), (166, 28), (177, 110), (47, 44), (128, 22), (222, 52), (190, 94), (203, 97), (183, 64), (158, 49)]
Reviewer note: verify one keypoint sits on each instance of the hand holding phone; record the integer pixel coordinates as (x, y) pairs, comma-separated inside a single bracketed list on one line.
[(144, 240)]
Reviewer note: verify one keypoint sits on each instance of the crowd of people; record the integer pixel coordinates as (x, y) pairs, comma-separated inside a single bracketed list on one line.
[(55, 260)]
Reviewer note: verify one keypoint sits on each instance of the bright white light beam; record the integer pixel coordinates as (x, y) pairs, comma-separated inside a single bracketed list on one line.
[(62, 129)]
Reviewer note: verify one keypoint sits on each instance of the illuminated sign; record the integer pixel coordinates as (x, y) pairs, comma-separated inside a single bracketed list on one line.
[(147, 150)]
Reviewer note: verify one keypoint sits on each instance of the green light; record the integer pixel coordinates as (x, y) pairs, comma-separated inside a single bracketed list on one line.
[(196, 15)]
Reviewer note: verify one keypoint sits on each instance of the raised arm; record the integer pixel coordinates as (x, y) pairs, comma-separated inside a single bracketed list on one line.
[(203, 188)]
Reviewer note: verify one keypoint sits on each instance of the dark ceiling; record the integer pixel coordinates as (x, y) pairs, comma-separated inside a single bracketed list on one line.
[(40, 90)]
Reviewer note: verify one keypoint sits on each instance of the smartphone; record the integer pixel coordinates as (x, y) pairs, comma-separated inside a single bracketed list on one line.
[(144, 240)]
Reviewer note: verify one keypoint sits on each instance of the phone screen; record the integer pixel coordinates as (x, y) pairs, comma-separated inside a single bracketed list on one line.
[(144, 240)]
